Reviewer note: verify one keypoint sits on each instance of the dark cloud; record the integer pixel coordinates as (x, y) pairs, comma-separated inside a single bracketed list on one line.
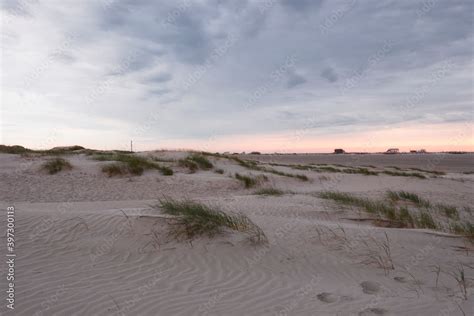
[(295, 79), (329, 74)]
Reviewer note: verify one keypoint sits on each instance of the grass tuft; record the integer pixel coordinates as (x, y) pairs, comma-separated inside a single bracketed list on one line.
[(465, 229), (408, 196), (115, 169), (248, 181), (129, 164), (56, 165), (425, 220), (191, 165), (404, 174), (196, 219), (201, 161)]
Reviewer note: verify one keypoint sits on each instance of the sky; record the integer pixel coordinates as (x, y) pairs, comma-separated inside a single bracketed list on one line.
[(248, 75)]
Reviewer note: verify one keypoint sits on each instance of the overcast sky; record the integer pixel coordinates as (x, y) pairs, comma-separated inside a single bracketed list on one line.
[(269, 75)]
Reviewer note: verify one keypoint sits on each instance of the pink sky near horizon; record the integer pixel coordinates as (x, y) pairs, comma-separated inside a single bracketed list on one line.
[(432, 137)]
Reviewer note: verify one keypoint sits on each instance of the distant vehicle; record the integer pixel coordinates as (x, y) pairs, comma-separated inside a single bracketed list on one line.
[(393, 151), (339, 151), (421, 151)]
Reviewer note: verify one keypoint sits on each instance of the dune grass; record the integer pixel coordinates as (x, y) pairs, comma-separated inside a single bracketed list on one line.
[(463, 228), (408, 196), (129, 164), (191, 165), (269, 191), (248, 181), (201, 161), (321, 168), (373, 207), (425, 220), (253, 165), (57, 151), (56, 165), (449, 211), (197, 219), (435, 172), (421, 217), (115, 169), (15, 149), (404, 174), (194, 162)]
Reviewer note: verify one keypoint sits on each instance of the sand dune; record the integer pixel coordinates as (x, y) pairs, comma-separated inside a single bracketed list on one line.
[(92, 245)]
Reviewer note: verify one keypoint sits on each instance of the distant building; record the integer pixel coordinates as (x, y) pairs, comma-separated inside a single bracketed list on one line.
[(393, 151), (339, 151)]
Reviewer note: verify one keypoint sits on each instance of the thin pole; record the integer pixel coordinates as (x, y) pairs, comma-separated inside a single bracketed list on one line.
[(131, 146)]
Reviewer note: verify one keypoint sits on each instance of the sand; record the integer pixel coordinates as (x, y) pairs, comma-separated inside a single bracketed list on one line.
[(87, 244)]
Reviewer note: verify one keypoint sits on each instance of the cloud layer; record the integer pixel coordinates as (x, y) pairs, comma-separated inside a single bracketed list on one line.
[(182, 73)]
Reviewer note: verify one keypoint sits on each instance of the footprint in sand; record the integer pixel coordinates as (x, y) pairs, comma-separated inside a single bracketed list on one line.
[(400, 279), (369, 287), (373, 312), (327, 297)]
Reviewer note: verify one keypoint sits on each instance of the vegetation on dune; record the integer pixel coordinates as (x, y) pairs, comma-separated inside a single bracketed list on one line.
[(449, 211), (248, 181), (219, 171), (129, 164), (115, 169), (438, 173), (15, 149), (201, 161), (195, 162), (56, 165), (20, 150), (408, 196), (404, 174), (425, 220), (196, 219), (421, 216), (253, 165), (191, 165), (321, 168)]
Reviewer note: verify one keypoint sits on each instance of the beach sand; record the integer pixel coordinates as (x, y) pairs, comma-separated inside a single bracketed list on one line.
[(87, 244)]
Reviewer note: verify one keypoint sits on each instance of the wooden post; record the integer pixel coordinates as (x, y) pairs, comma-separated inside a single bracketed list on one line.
[(131, 146)]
